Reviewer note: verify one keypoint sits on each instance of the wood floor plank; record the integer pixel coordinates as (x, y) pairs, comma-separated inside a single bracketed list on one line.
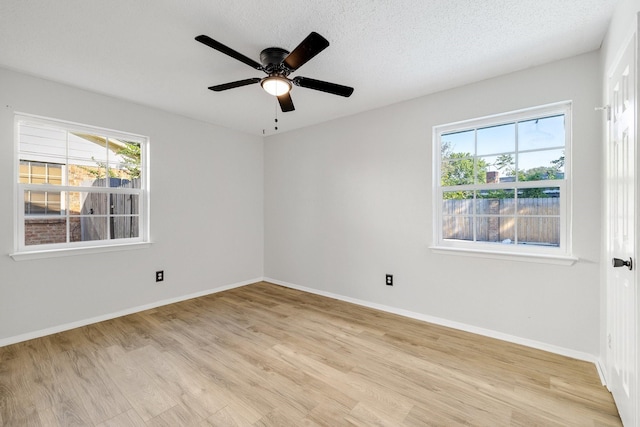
[(141, 390), (94, 388), (125, 419), (265, 355), (226, 417)]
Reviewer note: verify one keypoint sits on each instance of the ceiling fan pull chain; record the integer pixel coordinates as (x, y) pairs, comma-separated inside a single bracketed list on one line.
[(276, 119)]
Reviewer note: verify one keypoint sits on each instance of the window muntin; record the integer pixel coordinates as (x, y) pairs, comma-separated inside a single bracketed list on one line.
[(501, 182), (78, 186)]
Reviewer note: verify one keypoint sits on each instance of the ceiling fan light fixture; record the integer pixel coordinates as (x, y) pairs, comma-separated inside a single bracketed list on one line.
[(276, 85)]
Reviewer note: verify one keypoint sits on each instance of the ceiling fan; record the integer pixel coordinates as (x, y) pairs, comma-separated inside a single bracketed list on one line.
[(278, 63)]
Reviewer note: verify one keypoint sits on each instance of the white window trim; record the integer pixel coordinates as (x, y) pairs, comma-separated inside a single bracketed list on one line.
[(55, 253), (557, 255), (23, 252)]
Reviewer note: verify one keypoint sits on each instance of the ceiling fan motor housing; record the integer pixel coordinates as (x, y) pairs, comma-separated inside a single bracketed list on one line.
[(272, 58)]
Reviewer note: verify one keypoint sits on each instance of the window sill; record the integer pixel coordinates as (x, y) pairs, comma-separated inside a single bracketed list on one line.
[(54, 253), (525, 257)]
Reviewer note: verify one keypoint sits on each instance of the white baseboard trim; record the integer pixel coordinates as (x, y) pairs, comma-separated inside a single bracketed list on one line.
[(454, 325), (600, 367), (132, 310)]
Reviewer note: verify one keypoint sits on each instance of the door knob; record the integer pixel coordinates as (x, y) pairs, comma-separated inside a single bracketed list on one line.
[(617, 262)]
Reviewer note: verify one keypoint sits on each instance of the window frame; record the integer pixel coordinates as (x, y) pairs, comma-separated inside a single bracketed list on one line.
[(23, 251), (561, 254)]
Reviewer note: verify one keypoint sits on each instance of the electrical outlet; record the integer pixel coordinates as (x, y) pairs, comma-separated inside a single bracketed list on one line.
[(159, 276), (389, 280)]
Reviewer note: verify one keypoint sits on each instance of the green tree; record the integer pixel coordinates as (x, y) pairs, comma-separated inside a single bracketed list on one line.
[(559, 162), (505, 163), (541, 173), (131, 156), (538, 174), (459, 169)]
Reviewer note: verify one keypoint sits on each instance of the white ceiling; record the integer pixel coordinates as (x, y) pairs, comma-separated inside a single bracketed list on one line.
[(388, 50)]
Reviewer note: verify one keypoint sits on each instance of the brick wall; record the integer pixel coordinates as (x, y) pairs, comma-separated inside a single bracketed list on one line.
[(50, 230)]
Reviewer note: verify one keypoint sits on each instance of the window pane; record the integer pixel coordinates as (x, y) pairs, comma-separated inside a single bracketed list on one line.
[(495, 229), (35, 202), (42, 144), (462, 143), (495, 202), (459, 172), (123, 227), (55, 174), (91, 228), (124, 204), (85, 203), (539, 231), (457, 227), (24, 174), (541, 165), (87, 149), (505, 165), (38, 173), (499, 168), (457, 207), (136, 182), (121, 178), (539, 201), (541, 133), (42, 203), (127, 159), (83, 175), (457, 203), (53, 203), (45, 231), (497, 139)]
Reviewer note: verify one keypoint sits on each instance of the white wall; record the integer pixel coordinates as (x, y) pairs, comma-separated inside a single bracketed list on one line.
[(620, 28), (350, 200), (206, 214)]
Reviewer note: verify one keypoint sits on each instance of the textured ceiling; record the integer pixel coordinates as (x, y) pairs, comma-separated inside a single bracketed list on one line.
[(388, 50)]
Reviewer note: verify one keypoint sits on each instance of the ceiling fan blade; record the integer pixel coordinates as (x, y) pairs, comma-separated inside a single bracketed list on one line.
[(310, 47), (332, 88), (228, 51), (231, 85), (286, 103)]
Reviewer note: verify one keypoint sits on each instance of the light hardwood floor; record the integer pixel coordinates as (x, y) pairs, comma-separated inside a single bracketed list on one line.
[(264, 355)]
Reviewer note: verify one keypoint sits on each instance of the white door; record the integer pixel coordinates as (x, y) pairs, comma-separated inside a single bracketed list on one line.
[(622, 303)]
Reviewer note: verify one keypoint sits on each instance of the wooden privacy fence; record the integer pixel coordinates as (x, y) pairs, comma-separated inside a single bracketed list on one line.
[(537, 219), (110, 215)]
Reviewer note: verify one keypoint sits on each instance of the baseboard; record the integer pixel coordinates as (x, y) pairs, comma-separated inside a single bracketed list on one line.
[(132, 310), (454, 325), (602, 372)]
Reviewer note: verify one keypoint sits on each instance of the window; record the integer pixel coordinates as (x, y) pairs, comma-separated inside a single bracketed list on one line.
[(502, 183), (78, 186)]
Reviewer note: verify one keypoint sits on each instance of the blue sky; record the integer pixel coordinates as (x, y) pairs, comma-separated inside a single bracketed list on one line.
[(539, 142)]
